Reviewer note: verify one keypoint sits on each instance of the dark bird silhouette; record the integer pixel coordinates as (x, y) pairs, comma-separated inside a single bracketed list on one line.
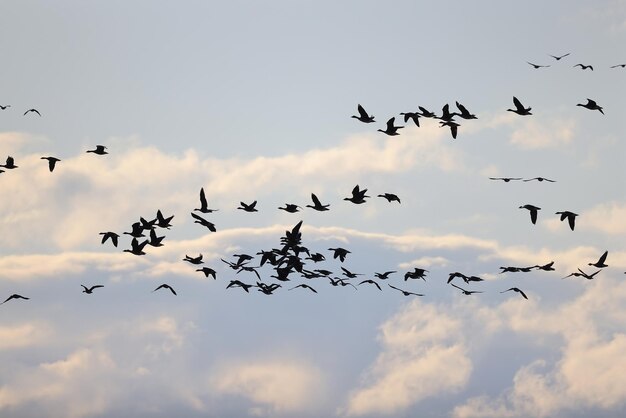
[(208, 271), (110, 235), (571, 217), (414, 116), (10, 163), (248, 208), (417, 273), (14, 296), (426, 113), (32, 111), (317, 205), (237, 283), (136, 248), (136, 230), (340, 282), (363, 116), (515, 289), (200, 220), (385, 275), (358, 195), (349, 274), (519, 108), (454, 275), (100, 150), (452, 125), (193, 260), (537, 66), (154, 240), (533, 212), (465, 292), (546, 267), (588, 276), (249, 269), (290, 207), (505, 179), (558, 58), (445, 113), (163, 222), (370, 281), (404, 292), (165, 286), (204, 206), (304, 286), (147, 225), (612, 66), (465, 114), (584, 67), (52, 161), (268, 289), (4, 107), (391, 130), (89, 290), (591, 105), (600, 263), (390, 197), (540, 179), (340, 253)]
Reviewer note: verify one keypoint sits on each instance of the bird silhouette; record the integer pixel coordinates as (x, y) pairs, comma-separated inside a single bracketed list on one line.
[(110, 235), (452, 125), (291, 208), (358, 195), (339, 253), (417, 273), (588, 276), (519, 108), (546, 267), (89, 290), (136, 247), (200, 220), (571, 217), (304, 286), (465, 114), (155, 241), (505, 179), (100, 150), (591, 105), (445, 113), (208, 271), (51, 162), (162, 221), (136, 230), (558, 58), (349, 274), (10, 163), (238, 283), (426, 113), (541, 179), (391, 130), (248, 207), (515, 289), (612, 66), (601, 261), (340, 282), (4, 107), (14, 296), (452, 276), (404, 292), (193, 260), (204, 206), (465, 292), (533, 212), (363, 116), (385, 275), (165, 286), (390, 197), (32, 111), (584, 67), (317, 205), (370, 281), (537, 66), (414, 116)]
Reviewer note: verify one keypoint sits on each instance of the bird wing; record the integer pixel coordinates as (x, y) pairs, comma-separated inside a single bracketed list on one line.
[(571, 219), (203, 202), (602, 258), (533, 215), (362, 112), (316, 201), (517, 103), (522, 293), (390, 123)]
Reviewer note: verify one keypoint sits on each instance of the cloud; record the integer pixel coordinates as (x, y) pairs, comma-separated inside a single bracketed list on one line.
[(23, 335), (533, 135)]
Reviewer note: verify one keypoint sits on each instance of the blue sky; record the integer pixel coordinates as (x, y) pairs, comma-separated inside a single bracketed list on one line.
[(253, 102)]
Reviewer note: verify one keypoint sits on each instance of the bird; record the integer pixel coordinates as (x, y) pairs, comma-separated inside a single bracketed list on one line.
[(204, 207), (32, 111), (558, 58), (385, 275), (363, 116), (601, 261), (465, 292), (404, 292), (200, 220), (339, 253), (110, 235), (349, 274), (537, 66), (571, 217), (14, 296), (208, 271), (268, 289), (89, 290), (587, 276), (427, 113), (358, 195), (584, 67), (163, 222), (533, 212), (452, 125), (541, 179), (519, 108), (515, 289), (4, 107), (414, 116), (154, 240), (417, 273), (317, 205), (304, 286), (546, 267), (10, 163), (391, 130), (248, 207), (505, 179), (445, 113), (51, 162), (370, 281), (193, 260), (612, 66), (136, 247), (237, 283), (591, 105), (290, 208), (465, 114), (165, 286), (100, 150), (454, 275), (340, 282), (137, 230), (316, 257), (390, 197)]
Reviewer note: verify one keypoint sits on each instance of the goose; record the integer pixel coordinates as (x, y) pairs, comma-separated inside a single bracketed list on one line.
[(591, 105), (208, 271), (248, 207), (194, 260), (391, 130), (166, 286), (390, 197), (465, 114), (541, 179), (304, 286), (505, 179), (100, 150), (32, 111), (10, 163), (163, 222), (558, 58), (363, 116), (200, 220), (519, 108), (290, 208), (4, 107), (51, 162), (370, 281), (14, 296), (518, 290), (414, 116), (571, 217), (339, 253), (404, 292), (427, 113), (601, 261), (109, 235), (584, 67), (533, 212), (358, 195), (385, 275), (136, 247), (465, 292), (317, 205), (204, 206), (537, 66), (89, 290)]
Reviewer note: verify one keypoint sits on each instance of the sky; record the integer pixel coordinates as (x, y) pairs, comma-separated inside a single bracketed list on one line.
[(252, 101)]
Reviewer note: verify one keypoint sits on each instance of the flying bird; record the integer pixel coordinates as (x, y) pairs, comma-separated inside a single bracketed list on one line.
[(465, 292), (414, 116), (14, 296), (136, 247), (10, 163), (601, 261), (537, 66), (515, 289), (4, 107), (541, 179), (358, 195), (427, 113), (32, 111), (110, 235), (204, 206), (591, 105), (546, 267), (465, 114), (404, 292), (612, 66), (52, 161), (290, 208), (163, 222), (340, 253), (200, 220), (317, 205), (248, 207), (193, 260), (558, 58), (390, 197), (584, 67), (363, 116), (570, 216), (208, 271), (385, 275), (588, 276), (370, 281), (533, 212), (100, 150), (519, 108), (452, 125), (165, 286), (304, 286), (417, 273), (89, 290), (391, 130), (349, 274), (155, 241), (505, 179)]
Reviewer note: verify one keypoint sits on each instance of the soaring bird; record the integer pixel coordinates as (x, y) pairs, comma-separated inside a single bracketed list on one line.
[(248, 207), (349, 274), (290, 207), (426, 113), (385, 275), (100, 150), (358, 195), (109, 235), (519, 108), (193, 260), (465, 114), (162, 221), (317, 205), (208, 271), (546, 267), (136, 247), (391, 130), (165, 286), (10, 163), (89, 290), (304, 286), (363, 116), (200, 220), (537, 66), (600, 263), (390, 197), (541, 179), (340, 282), (445, 113), (591, 105), (370, 281), (571, 217), (533, 212), (204, 207), (51, 162), (32, 111), (417, 273), (238, 283), (340, 253), (452, 276), (584, 67), (154, 240), (505, 179), (558, 58), (404, 292), (465, 292), (14, 296), (452, 125), (414, 116), (4, 107), (137, 230), (515, 289), (612, 66)]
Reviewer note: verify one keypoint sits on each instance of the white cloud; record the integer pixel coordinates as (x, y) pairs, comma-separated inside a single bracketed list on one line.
[(533, 135), (23, 335)]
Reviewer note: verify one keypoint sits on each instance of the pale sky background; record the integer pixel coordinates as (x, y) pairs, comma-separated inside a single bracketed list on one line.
[(252, 101)]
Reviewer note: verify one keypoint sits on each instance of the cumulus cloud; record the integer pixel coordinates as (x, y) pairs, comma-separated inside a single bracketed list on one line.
[(23, 335), (534, 135)]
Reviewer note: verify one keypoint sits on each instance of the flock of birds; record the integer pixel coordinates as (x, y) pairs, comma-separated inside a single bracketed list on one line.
[(291, 258)]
